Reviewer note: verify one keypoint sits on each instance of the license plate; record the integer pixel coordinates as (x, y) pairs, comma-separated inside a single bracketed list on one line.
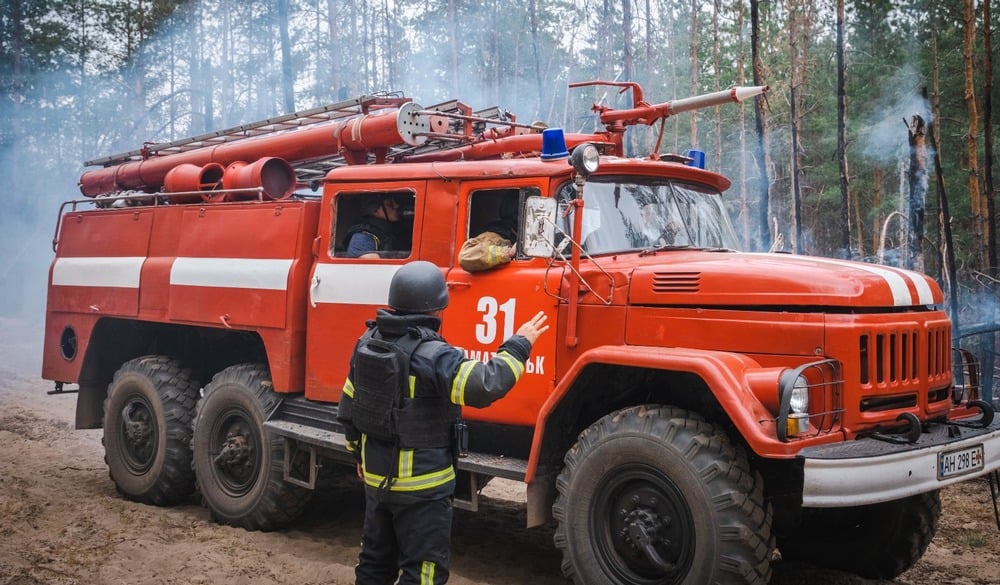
[(960, 462)]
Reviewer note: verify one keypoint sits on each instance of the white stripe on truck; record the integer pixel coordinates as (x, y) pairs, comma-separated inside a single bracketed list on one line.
[(103, 271), (252, 273)]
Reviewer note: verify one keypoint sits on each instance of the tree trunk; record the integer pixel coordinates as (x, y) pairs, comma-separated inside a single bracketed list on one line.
[(226, 99), (453, 44), (287, 77), (331, 54), (200, 75), (975, 198), (763, 242), (918, 193), (13, 180), (673, 56), (648, 81), (741, 79), (858, 224), (631, 138), (950, 272), (845, 220), (716, 8), (795, 154), (536, 57), (134, 40), (990, 193), (990, 311), (877, 177), (627, 59), (606, 40), (694, 70), (648, 74)]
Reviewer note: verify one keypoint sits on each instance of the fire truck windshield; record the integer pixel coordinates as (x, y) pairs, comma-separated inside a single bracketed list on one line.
[(622, 214)]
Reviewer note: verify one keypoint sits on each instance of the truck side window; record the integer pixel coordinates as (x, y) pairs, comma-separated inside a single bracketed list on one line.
[(373, 225), (496, 210), (494, 221)]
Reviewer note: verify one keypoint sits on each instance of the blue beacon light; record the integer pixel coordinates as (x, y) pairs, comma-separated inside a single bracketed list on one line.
[(697, 158), (553, 144)]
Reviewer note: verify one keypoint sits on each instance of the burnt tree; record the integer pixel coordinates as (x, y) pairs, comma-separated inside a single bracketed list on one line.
[(917, 178)]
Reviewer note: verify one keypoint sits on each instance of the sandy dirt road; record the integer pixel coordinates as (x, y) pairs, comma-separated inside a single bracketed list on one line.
[(62, 523)]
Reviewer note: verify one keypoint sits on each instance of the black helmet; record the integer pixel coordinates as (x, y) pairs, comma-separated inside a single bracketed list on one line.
[(418, 287), (371, 204)]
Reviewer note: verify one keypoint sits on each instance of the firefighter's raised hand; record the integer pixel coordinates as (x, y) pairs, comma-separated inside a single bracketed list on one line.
[(534, 328)]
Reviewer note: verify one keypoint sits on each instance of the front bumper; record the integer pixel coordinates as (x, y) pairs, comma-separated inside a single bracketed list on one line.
[(869, 471)]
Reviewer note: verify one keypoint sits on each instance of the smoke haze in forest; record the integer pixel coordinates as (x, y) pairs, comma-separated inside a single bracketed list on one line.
[(885, 139)]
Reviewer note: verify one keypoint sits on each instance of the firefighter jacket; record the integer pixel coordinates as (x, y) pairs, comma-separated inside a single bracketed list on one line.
[(483, 252), (429, 472), (378, 236)]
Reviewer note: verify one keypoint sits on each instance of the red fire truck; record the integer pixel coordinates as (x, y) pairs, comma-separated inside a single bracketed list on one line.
[(693, 409)]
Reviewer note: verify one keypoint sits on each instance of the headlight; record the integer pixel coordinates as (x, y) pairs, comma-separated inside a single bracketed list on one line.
[(793, 416), (799, 401), (810, 399), (585, 159)]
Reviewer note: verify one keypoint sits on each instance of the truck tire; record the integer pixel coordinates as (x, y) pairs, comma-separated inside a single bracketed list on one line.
[(147, 430), (880, 541), (239, 464), (662, 475)]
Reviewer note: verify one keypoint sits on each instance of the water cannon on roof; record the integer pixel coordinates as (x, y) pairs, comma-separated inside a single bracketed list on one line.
[(642, 112)]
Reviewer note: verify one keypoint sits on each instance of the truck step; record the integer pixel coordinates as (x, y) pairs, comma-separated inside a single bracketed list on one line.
[(315, 423), (298, 409), (494, 465)]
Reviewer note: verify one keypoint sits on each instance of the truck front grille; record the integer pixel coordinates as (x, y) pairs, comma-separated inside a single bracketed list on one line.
[(896, 357)]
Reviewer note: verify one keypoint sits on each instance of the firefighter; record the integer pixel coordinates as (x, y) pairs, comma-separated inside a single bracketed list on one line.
[(401, 410), (496, 244), (658, 227), (376, 234)]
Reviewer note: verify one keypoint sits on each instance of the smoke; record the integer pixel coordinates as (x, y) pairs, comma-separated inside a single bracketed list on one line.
[(36, 175), (885, 139)]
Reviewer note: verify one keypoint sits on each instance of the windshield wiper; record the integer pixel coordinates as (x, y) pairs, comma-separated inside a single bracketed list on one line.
[(669, 247), (664, 248)]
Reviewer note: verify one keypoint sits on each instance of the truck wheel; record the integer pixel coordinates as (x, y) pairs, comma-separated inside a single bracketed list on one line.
[(880, 541), (147, 430), (239, 465), (657, 495)]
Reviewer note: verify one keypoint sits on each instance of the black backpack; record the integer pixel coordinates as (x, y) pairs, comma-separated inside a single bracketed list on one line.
[(382, 379)]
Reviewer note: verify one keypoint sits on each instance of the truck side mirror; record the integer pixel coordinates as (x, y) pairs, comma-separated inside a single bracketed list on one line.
[(538, 227)]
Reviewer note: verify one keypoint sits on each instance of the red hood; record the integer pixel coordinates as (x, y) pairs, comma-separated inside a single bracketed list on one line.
[(699, 278)]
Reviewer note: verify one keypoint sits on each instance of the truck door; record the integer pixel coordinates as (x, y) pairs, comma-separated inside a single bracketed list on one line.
[(486, 307), (346, 288)]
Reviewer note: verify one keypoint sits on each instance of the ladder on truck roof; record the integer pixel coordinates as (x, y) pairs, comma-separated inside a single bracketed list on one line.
[(464, 125)]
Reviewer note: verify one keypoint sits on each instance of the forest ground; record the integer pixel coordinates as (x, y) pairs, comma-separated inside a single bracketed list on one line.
[(62, 523)]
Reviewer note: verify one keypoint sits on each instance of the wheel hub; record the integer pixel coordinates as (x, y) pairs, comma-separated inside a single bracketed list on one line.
[(136, 427), (644, 529), (235, 452)]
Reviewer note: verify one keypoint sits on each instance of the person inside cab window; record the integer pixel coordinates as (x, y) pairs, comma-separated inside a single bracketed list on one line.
[(658, 227), (495, 243), (378, 233)]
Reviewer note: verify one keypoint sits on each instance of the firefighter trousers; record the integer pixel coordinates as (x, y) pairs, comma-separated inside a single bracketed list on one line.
[(404, 534)]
